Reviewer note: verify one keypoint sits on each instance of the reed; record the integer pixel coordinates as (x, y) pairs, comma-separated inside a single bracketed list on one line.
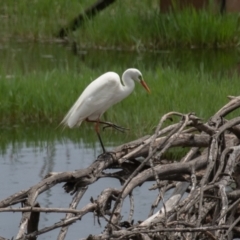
[(34, 104), (46, 97), (133, 25)]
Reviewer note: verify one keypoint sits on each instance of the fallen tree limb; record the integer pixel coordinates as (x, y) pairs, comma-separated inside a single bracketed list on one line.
[(88, 13), (207, 173)]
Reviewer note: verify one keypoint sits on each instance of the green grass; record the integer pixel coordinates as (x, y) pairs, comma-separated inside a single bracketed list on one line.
[(33, 106), (37, 20), (133, 25), (46, 97), (143, 29), (199, 29), (39, 83)]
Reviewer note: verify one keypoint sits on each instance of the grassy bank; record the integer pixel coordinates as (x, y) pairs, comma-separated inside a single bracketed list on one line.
[(40, 82), (143, 29), (132, 25), (46, 97)]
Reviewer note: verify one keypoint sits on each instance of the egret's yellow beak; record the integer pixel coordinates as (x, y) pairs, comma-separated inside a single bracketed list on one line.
[(145, 86)]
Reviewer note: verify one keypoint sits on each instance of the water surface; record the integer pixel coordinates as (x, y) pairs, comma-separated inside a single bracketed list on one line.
[(28, 153)]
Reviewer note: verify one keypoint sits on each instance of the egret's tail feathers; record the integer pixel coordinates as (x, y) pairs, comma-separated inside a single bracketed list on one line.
[(62, 124), (70, 122)]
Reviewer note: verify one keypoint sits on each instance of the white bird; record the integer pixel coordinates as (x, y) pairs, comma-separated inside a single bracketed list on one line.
[(101, 94)]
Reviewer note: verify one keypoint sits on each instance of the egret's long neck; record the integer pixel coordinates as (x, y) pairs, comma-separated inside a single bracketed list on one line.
[(128, 84)]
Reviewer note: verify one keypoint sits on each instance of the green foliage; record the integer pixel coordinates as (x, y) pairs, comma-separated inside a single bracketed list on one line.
[(46, 97), (40, 82), (199, 29), (134, 25), (37, 103), (137, 27), (38, 19)]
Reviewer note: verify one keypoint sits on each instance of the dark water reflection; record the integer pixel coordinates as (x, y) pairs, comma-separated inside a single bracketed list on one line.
[(23, 58), (28, 153)]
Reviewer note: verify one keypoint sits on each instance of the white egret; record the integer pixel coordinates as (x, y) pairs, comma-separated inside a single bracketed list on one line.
[(101, 94)]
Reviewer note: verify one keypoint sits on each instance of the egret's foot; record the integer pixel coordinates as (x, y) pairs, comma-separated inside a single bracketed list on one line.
[(106, 155), (116, 127)]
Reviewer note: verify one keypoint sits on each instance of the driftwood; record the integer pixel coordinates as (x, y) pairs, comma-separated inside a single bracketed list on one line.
[(207, 175)]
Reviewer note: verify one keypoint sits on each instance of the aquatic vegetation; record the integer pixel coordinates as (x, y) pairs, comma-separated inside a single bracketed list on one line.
[(46, 97), (133, 25), (39, 83), (143, 29)]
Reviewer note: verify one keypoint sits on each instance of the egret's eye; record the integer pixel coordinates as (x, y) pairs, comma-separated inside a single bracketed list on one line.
[(140, 77)]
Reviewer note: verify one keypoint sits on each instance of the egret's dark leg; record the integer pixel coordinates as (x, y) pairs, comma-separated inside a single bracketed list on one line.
[(99, 137), (104, 155), (109, 124)]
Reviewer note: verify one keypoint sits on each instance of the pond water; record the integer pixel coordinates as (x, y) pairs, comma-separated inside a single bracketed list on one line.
[(28, 153), (25, 167)]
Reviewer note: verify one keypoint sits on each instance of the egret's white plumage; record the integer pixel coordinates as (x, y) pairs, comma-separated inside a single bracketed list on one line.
[(101, 94)]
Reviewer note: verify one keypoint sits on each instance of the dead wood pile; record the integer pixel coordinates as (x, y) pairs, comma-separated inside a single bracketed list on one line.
[(207, 176)]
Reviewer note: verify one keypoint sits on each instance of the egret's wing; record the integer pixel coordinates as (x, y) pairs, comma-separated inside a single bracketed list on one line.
[(95, 99), (98, 98)]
